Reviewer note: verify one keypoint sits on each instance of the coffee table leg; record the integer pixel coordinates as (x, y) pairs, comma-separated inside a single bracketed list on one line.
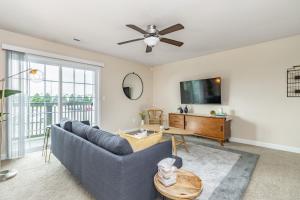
[(184, 143), (174, 145)]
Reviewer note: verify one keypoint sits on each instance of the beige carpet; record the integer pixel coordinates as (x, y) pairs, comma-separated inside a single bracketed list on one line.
[(38, 180), (277, 176)]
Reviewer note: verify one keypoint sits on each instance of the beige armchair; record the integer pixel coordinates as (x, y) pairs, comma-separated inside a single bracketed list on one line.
[(155, 116)]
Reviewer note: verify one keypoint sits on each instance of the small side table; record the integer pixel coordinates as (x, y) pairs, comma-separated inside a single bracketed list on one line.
[(46, 143), (187, 187)]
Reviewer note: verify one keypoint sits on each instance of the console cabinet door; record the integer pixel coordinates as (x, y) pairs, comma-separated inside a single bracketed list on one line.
[(209, 127), (176, 120)]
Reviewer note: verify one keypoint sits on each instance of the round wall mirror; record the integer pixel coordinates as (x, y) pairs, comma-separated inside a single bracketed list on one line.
[(132, 86)]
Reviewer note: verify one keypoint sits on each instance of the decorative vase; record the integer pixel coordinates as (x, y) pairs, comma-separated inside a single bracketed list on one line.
[(180, 109), (186, 110), (142, 122)]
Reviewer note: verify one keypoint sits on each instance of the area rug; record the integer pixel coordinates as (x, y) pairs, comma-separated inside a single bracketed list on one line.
[(225, 172)]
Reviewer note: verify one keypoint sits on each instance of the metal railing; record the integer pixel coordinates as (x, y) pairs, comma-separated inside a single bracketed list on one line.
[(44, 114)]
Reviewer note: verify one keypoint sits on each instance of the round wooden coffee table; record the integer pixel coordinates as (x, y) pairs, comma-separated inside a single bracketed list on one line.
[(187, 187)]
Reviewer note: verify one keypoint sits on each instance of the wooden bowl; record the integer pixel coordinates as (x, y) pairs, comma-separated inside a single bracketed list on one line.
[(187, 187)]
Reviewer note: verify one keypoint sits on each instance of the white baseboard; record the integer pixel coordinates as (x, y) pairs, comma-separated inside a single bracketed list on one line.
[(266, 145)]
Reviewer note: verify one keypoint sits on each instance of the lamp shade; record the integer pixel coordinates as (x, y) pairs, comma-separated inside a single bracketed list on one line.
[(151, 41), (35, 75)]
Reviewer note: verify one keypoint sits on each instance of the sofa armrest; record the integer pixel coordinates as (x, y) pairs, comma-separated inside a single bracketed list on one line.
[(138, 170)]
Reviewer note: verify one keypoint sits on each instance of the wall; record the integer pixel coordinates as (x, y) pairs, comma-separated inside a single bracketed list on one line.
[(254, 86), (254, 90), (118, 112)]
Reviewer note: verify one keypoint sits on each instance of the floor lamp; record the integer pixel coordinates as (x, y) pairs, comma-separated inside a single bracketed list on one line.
[(7, 174)]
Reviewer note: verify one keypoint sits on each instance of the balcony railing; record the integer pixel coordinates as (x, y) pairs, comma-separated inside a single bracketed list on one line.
[(43, 114)]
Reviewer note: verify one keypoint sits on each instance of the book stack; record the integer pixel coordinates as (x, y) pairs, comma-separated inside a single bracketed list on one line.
[(167, 171)]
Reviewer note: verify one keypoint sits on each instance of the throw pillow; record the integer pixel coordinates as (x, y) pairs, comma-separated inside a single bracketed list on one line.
[(66, 124), (109, 141), (86, 122), (80, 129), (96, 127)]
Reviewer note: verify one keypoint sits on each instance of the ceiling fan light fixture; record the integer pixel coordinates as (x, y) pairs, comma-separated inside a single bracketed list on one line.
[(151, 41)]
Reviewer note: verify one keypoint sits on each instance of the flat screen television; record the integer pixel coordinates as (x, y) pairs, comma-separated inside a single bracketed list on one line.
[(204, 91)]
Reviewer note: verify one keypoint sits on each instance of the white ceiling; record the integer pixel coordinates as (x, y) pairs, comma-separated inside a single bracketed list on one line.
[(210, 25)]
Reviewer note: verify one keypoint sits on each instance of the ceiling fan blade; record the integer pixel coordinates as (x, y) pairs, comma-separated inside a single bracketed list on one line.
[(148, 49), (120, 43), (173, 42), (171, 29), (134, 27)]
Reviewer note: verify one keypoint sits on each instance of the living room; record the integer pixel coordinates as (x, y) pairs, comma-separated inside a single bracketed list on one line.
[(244, 145)]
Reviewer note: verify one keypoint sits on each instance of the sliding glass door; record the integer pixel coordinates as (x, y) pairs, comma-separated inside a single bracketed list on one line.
[(68, 90)]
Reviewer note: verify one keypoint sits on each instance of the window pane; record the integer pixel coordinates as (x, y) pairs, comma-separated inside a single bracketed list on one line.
[(67, 74), (79, 76), (89, 90), (52, 73), (90, 77), (67, 91), (36, 88), (79, 90), (52, 88)]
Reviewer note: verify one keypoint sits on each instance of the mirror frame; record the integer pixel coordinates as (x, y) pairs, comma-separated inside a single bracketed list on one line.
[(141, 82)]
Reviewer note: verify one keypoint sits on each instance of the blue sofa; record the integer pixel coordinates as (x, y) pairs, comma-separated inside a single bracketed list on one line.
[(108, 174)]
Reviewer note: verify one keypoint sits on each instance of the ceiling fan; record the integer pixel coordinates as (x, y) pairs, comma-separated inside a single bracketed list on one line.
[(152, 36)]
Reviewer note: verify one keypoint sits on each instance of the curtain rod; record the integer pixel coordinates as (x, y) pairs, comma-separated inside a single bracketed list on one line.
[(50, 55)]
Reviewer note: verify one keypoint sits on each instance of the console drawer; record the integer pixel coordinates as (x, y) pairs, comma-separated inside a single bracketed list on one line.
[(176, 120), (205, 126)]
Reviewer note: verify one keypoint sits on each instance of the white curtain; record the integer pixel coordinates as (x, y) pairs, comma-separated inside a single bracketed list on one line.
[(16, 105)]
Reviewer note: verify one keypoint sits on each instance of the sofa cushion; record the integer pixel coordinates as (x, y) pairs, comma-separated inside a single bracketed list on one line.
[(109, 141), (80, 129), (66, 124), (96, 127)]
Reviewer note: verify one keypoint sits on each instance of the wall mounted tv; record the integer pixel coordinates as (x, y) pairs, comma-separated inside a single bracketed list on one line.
[(204, 91)]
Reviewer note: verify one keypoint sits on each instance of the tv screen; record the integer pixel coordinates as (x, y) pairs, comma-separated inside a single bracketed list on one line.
[(204, 91)]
